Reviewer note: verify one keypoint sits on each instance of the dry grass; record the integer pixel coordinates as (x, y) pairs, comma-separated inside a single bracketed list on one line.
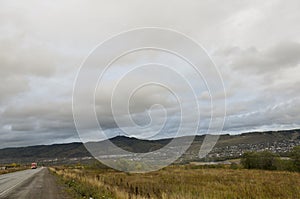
[(179, 182), (10, 170)]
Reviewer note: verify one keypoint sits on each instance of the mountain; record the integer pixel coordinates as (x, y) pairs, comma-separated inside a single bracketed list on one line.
[(228, 146)]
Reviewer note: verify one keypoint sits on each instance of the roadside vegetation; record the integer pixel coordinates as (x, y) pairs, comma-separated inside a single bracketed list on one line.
[(179, 182), (9, 168)]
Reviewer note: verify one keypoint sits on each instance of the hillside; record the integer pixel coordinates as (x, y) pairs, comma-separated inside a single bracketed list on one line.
[(227, 146)]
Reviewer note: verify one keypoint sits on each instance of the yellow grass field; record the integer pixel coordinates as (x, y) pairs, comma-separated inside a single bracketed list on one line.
[(180, 182)]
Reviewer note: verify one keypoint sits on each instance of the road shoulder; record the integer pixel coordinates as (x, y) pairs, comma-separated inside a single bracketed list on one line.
[(40, 186)]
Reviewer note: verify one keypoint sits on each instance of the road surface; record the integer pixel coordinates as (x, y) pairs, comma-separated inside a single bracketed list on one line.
[(31, 184)]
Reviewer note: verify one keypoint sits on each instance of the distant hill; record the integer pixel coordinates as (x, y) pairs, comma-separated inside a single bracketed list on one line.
[(227, 146)]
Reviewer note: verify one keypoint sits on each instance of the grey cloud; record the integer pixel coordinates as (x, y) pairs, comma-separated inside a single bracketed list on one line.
[(280, 56), (22, 127), (45, 118), (12, 85), (26, 56), (40, 131), (275, 116), (59, 110), (42, 46), (21, 58)]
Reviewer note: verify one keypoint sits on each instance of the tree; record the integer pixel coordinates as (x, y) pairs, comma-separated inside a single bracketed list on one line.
[(259, 160), (295, 156)]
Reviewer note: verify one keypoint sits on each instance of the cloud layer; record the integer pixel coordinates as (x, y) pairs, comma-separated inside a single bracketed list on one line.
[(256, 46)]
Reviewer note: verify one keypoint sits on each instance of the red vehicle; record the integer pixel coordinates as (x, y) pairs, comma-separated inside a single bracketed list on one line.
[(33, 165)]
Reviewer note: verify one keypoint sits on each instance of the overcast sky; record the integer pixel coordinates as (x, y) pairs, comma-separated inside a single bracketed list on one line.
[(255, 45)]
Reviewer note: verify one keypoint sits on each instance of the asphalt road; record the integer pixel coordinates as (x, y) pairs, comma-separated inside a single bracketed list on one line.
[(31, 184)]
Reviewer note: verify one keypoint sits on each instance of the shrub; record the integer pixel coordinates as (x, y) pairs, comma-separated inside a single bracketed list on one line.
[(234, 165), (295, 156), (284, 165), (259, 160)]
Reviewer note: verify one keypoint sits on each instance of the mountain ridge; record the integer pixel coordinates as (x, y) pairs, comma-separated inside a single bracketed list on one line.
[(258, 140)]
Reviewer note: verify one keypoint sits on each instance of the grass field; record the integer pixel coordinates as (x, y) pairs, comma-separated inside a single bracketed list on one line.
[(178, 182)]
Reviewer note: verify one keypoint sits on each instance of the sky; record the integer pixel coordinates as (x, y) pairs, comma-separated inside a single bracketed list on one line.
[(254, 44)]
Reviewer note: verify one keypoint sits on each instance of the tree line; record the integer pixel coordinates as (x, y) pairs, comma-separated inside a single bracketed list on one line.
[(271, 161)]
